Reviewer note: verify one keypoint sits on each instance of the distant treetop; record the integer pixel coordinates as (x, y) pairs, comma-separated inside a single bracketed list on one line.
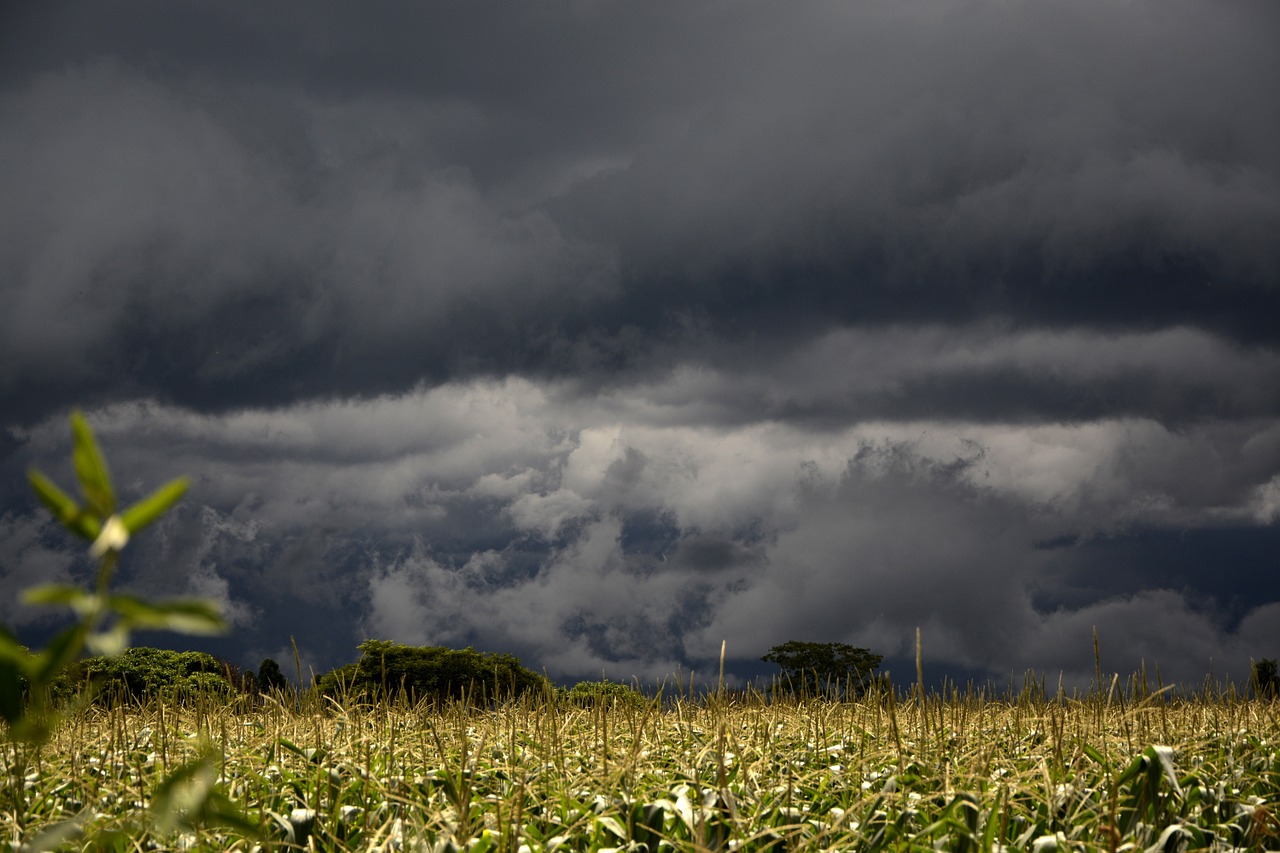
[(823, 669)]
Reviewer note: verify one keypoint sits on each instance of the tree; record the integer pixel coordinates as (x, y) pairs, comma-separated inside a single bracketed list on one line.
[(1266, 679), (270, 678), (388, 669), (817, 669), (141, 673)]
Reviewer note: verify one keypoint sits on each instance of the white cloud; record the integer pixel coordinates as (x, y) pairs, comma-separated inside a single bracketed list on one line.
[(519, 516), (546, 514)]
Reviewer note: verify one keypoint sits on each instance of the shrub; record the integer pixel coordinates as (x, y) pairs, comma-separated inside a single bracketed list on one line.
[(144, 673), (606, 692), (338, 682)]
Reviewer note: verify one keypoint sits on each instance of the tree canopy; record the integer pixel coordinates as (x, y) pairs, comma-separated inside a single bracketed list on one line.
[(1266, 678), (818, 669), (141, 672), (270, 677), (429, 672)]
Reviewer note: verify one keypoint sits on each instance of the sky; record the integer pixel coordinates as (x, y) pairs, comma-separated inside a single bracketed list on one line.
[(605, 334)]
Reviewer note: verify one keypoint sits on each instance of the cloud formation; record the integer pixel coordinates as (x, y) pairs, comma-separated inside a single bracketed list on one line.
[(604, 334)]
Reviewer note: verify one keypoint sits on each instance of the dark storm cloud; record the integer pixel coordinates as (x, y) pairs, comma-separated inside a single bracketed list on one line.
[(586, 538), (603, 334), (224, 206)]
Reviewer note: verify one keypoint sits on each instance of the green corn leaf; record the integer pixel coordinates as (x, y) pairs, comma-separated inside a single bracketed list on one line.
[(12, 651), (1163, 755), (61, 651), (91, 468), (221, 811), (484, 843), (1095, 755), (61, 594), (64, 508), (993, 822), (1134, 770), (149, 509), (60, 834), (109, 643), (179, 800), (186, 616), (611, 824), (10, 691), (189, 799)]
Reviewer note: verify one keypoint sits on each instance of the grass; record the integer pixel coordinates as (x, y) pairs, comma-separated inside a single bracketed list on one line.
[(960, 772)]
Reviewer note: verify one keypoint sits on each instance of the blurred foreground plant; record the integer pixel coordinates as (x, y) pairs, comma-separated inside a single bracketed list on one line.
[(104, 624)]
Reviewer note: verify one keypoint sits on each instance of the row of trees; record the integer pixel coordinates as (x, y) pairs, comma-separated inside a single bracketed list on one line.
[(388, 670), (385, 669), (140, 672)]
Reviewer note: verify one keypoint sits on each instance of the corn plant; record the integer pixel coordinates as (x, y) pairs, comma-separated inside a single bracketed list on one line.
[(104, 622)]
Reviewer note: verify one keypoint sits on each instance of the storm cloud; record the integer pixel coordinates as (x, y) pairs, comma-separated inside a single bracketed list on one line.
[(603, 334)]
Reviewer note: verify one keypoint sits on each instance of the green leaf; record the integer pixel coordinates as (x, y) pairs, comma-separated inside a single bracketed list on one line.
[(222, 812), (1095, 755), (59, 834), (1135, 769), (188, 799), (10, 691), (11, 649), (61, 594), (1163, 755), (186, 616), (64, 508), (62, 650), (149, 509), (613, 826), (109, 643), (91, 468), (180, 799)]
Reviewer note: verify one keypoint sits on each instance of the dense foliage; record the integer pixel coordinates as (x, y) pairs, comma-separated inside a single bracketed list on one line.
[(592, 693), (270, 677), (823, 669), (142, 673), (388, 669), (1266, 678)]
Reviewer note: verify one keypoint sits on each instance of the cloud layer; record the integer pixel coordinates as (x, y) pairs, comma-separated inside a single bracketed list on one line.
[(603, 334)]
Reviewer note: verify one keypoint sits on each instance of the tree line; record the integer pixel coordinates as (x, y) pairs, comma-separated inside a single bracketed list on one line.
[(387, 670)]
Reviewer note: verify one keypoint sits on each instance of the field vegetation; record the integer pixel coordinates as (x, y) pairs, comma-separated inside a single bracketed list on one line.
[(1119, 770)]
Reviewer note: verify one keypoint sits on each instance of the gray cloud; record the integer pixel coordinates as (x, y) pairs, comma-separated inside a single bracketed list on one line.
[(510, 516), (193, 219), (668, 324)]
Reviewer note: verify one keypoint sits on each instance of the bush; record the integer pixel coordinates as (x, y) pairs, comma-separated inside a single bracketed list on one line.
[(433, 673), (143, 673), (338, 682), (608, 693)]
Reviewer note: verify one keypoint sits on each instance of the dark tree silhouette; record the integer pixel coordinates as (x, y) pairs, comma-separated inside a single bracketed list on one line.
[(1266, 679), (270, 677), (817, 669), (388, 669)]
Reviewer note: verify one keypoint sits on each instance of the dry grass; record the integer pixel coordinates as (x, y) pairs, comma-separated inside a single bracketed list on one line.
[(961, 772)]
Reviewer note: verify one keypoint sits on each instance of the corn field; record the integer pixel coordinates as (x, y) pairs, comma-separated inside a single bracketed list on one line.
[(957, 771)]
